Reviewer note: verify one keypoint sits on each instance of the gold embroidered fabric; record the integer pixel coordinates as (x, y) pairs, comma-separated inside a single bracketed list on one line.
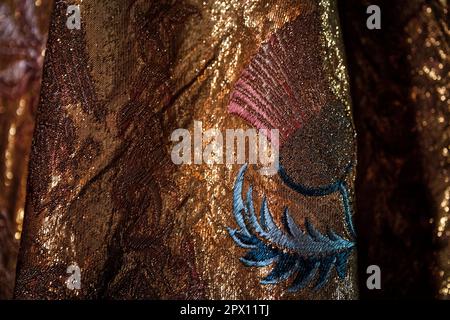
[(101, 193)]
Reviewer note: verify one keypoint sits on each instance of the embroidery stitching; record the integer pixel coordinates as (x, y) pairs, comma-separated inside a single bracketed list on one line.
[(293, 251)]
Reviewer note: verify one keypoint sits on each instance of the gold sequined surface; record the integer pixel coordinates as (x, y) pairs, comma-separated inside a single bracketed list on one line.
[(104, 195), (103, 192)]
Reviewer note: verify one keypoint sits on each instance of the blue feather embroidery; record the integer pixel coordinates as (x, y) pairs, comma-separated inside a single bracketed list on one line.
[(293, 252)]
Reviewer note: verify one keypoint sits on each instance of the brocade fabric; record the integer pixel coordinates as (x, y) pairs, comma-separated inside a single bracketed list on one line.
[(102, 192)]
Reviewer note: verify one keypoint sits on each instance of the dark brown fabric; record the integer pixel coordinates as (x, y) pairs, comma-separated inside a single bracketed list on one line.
[(402, 173)]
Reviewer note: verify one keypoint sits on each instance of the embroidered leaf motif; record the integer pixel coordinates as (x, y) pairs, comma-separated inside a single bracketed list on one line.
[(293, 252)]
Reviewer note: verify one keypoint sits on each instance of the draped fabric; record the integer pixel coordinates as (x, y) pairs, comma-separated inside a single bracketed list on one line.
[(103, 192), (400, 86), (363, 132), (23, 34)]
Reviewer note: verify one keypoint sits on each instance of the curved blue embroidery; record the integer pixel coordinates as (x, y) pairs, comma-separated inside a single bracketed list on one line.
[(292, 251), (339, 185)]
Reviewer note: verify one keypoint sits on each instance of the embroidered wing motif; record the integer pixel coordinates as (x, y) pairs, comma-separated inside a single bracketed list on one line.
[(285, 87), (292, 252), (276, 89)]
